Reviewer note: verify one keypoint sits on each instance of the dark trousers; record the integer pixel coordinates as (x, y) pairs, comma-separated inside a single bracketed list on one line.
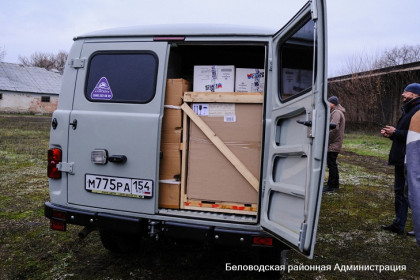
[(401, 202), (333, 176)]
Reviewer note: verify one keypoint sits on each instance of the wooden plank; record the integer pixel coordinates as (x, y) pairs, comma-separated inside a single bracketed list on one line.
[(222, 205), (242, 169), (184, 159), (243, 212), (224, 97)]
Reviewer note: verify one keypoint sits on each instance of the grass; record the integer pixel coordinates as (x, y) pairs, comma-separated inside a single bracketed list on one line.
[(348, 234), (367, 145)]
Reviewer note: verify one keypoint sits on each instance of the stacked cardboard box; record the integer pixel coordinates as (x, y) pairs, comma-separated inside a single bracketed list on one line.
[(211, 176), (249, 80), (170, 162), (214, 78)]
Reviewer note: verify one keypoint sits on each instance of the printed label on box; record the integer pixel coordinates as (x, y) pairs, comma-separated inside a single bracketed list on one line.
[(201, 109), (221, 109), (231, 118)]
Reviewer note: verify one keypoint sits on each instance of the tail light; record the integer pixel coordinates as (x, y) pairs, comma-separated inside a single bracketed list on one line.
[(58, 220), (54, 157), (266, 241)]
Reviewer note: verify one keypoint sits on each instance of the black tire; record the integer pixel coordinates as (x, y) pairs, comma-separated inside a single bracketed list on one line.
[(118, 242), (272, 256)]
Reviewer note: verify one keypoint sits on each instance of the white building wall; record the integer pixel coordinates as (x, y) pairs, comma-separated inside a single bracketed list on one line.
[(27, 103)]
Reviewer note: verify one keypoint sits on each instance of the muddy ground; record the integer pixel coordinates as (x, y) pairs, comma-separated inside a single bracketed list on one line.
[(349, 232)]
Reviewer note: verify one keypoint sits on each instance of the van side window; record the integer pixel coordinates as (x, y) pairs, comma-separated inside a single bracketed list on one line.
[(122, 77), (296, 56)]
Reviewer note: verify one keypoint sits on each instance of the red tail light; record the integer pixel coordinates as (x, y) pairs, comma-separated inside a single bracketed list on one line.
[(58, 225), (266, 241), (54, 157)]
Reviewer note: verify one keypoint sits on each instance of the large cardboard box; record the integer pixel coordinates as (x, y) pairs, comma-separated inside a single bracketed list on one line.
[(175, 89), (249, 80), (211, 177), (169, 194), (170, 162), (215, 78)]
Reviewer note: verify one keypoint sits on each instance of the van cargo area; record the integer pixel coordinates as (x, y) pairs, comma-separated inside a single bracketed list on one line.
[(197, 175)]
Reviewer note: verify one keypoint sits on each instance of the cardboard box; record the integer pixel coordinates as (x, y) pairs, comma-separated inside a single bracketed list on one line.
[(214, 78), (171, 133), (211, 177), (172, 119), (170, 162), (175, 89), (169, 194), (249, 80)]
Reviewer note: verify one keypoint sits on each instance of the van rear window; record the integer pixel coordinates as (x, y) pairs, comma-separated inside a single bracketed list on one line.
[(122, 77)]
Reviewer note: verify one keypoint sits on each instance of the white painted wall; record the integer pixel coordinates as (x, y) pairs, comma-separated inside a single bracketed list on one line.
[(26, 103)]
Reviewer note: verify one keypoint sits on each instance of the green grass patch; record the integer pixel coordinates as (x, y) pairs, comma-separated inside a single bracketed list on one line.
[(368, 145)]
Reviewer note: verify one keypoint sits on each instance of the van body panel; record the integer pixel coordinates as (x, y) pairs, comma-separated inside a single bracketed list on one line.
[(110, 127)]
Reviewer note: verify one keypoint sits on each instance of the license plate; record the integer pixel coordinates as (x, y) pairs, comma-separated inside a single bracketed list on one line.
[(139, 188)]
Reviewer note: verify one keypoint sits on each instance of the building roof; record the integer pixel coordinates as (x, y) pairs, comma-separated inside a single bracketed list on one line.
[(19, 78), (413, 66)]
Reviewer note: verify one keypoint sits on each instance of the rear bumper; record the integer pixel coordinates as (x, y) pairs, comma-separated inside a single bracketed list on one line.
[(160, 229)]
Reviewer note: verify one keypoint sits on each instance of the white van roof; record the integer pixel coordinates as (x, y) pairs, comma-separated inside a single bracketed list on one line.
[(180, 30)]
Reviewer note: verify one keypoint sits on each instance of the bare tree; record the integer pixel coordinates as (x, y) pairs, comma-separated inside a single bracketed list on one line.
[(48, 61), (373, 92), (398, 56), (2, 53)]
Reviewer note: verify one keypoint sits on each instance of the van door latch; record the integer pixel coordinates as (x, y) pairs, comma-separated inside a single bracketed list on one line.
[(305, 123), (117, 159), (73, 124)]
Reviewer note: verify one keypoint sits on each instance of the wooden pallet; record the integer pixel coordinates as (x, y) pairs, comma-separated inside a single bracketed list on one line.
[(225, 207)]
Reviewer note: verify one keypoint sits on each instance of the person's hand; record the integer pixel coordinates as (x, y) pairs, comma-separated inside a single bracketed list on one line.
[(387, 131)]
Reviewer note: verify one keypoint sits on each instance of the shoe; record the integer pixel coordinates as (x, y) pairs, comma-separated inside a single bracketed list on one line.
[(411, 233), (327, 189), (392, 228)]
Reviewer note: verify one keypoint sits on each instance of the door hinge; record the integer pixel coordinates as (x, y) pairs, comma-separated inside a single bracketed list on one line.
[(77, 63), (314, 10), (302, 236), (65, 167)]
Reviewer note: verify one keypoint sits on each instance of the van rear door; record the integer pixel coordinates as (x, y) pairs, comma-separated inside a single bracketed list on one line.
[(296, 130), (114, 125)]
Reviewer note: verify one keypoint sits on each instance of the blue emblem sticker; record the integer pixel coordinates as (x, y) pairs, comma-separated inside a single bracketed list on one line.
[(102, 90)]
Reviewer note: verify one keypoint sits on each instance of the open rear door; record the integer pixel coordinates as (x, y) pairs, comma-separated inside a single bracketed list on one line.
[(296, 130)]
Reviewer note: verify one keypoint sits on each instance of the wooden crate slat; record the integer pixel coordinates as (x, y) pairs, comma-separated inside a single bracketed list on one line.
[(224, 97)]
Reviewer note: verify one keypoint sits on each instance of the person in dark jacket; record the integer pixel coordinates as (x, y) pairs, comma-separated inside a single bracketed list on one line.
[(335, 142), (413, 171), (398, 135)]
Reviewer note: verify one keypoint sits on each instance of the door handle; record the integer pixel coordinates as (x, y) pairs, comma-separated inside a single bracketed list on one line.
[(74, 124), (117, 159), (305, 123)]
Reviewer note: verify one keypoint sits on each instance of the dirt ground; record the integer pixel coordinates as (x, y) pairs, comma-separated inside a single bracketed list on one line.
[(349, 232)]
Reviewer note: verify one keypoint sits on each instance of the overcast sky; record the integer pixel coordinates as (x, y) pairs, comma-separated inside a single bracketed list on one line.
[(355, 27)]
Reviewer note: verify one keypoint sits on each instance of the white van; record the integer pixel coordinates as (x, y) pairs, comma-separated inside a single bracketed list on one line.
[(209, 133)]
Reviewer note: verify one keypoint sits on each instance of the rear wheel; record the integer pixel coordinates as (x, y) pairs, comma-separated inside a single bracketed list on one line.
[(275, 256), (118, 242)]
